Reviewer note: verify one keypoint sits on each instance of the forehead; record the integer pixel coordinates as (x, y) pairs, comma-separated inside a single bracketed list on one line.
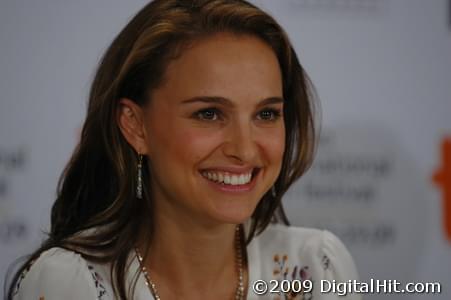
[(226, 65)]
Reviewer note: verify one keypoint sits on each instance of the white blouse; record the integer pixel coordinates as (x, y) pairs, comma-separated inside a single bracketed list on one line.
[(279, 253)]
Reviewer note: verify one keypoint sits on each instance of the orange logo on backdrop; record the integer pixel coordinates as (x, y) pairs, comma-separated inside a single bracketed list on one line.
[(442, 178)]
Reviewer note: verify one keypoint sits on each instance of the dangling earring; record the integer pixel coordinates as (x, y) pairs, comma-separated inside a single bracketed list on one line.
[(273, 191), (139, 185)]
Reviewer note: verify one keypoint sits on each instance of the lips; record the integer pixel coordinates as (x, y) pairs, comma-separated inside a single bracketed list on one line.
[(227, 178), (222, 177)]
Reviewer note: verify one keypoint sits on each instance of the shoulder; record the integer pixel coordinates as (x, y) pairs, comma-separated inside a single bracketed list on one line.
[(299, 253), (58, 274), (308, 243), (300, 238)]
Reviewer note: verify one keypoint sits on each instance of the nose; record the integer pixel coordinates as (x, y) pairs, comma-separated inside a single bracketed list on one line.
[(241, 144)]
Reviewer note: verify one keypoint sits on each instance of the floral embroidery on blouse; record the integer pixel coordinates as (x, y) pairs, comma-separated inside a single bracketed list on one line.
[(326, 262), (98, 281), (282, 271)]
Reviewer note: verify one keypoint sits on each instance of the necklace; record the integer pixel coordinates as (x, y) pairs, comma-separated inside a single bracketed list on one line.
[(239, 293)]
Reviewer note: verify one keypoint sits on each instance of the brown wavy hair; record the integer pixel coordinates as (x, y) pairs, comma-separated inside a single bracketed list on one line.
[(97, 187)]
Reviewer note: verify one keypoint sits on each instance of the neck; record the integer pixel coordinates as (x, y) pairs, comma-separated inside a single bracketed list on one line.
[(188, 258)]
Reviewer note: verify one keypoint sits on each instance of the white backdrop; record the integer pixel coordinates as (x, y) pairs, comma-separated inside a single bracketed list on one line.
[(383, 72)]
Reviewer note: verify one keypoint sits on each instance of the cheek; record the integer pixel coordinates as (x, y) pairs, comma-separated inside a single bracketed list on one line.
[(272, 143), (196, 145), (185, 147)]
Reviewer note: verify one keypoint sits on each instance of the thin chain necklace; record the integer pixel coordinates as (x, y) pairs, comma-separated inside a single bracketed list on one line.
[(239, 293)]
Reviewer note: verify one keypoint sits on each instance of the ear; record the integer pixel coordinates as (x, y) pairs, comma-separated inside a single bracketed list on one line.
[(130, 121)]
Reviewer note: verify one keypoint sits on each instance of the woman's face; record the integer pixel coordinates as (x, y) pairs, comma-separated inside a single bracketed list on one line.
[(214, 130)]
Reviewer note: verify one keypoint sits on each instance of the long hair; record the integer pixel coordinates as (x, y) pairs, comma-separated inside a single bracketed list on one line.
[(97, 187)]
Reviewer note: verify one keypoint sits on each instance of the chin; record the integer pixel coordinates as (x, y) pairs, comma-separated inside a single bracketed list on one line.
[(233, 213)]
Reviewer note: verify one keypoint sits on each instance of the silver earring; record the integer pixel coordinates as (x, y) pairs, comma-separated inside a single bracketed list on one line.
[(139, 185), (273, 191)]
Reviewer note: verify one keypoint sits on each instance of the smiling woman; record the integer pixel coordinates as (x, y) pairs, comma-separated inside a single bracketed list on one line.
[(221, 100), (200, 118)]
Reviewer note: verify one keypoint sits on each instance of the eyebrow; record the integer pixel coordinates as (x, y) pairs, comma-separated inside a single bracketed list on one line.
[(227, 102)]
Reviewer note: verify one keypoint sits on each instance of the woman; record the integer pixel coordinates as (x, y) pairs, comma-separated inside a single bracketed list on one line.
[(200, 117)]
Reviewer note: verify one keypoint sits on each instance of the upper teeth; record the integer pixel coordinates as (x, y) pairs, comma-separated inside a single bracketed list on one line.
[(226, 178)]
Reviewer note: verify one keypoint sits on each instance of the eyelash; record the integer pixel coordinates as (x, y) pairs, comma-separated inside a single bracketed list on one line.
[(200, 115)]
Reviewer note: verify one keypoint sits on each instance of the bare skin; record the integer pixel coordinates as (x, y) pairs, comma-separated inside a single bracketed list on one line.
[(219, 111)]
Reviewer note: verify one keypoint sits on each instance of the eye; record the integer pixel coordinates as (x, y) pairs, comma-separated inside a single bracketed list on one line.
[(269, 114), (208, 114)]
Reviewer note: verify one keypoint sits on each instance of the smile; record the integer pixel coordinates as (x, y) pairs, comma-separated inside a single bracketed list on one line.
[(227, 178), (230, 179)]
